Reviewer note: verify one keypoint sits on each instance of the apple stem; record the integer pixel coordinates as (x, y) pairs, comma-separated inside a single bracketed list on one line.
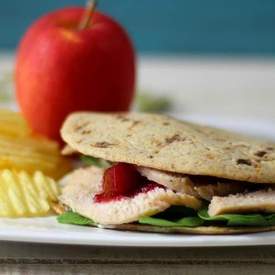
[(87, 16)]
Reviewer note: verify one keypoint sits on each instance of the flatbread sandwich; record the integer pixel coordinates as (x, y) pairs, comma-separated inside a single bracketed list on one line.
[(154, 173)]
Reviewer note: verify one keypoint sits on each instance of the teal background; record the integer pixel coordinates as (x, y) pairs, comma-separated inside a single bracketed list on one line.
[(244, 27)]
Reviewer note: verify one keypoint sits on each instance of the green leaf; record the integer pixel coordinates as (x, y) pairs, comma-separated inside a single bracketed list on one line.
[(183, 222), (174, 216), (153, 104), (190, 222), (239, 219), (156, 221), (178, 210), (271, 219), (88, 160), (70, 217)]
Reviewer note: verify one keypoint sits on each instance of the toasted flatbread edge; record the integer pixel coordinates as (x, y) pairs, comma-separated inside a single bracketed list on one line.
[(200, 230)]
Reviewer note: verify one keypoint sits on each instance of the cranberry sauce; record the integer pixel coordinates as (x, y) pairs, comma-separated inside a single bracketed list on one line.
[(123, 180)]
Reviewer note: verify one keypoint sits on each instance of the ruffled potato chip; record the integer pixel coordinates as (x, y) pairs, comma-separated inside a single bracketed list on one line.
[(20, 149), (26, 195)]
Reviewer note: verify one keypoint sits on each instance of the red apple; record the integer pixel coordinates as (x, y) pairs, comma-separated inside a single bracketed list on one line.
[(61, 69)]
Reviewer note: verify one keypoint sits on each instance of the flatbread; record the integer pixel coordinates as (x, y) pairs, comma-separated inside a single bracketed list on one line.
[(168, 144), (200, 230)]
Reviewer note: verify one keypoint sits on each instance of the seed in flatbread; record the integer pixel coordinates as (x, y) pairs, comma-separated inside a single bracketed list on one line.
[(244, 162)]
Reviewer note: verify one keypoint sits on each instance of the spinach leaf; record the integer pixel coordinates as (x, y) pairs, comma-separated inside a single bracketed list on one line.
[(176, 212), (271, 219), (202, 218), (156, 221), (70, 217), (183, 222), (88, 160), (191, 219), (239, 219)]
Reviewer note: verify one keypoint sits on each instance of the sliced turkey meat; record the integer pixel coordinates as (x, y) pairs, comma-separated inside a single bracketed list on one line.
[(81, 186), (217, 188), (174, 181), (200, 187), (254, 202)]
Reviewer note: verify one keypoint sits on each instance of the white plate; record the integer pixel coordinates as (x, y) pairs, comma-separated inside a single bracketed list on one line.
[(47, 230)]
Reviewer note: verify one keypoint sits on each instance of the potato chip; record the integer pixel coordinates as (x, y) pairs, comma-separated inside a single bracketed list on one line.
[(26, 195), (20, 149), (13, 124)]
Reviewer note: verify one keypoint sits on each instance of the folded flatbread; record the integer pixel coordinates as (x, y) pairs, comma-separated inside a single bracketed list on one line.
[(191, 166)]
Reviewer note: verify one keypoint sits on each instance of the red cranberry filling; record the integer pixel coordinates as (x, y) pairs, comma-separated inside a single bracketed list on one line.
[(123, 180)]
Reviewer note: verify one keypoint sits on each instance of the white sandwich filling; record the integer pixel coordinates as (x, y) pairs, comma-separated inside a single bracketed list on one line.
[(80, 187)]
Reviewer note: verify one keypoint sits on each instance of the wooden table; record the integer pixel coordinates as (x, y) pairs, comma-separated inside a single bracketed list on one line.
[(55, 259), (232, 88)]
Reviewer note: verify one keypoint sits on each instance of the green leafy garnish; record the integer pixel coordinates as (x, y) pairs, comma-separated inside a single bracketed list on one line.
[(176, 212), (174, 216), (239, 219), (101, 163), (156, 221), (271, 219), (179, 210), (153, 104), (183, 222), (202, 218), (70, 217)]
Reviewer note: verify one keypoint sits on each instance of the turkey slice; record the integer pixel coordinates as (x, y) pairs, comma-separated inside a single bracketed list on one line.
[(200, 187), (254, 202), (80, 187)]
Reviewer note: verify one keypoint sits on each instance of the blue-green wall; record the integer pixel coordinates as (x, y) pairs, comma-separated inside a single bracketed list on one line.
[(167, 26)]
